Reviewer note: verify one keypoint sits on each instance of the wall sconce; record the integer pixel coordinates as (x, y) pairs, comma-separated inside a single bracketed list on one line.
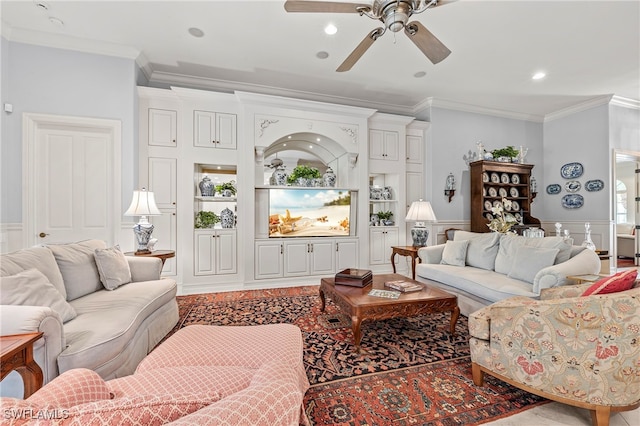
[(450, 186), (533, 187)]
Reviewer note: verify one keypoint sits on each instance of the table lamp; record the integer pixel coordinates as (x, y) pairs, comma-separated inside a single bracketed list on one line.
[(143, 204), (420, 212)]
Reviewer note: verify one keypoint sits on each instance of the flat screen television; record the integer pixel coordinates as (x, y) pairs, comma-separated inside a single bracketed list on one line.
[(310, 212)]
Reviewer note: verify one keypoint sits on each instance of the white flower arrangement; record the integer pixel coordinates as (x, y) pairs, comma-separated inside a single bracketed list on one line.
[(502, 221)]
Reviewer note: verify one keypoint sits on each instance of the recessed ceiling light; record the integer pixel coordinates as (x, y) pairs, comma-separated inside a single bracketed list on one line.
[(310, 146), (330, 29), (322, 55), (317, 139), (539, 75), (420, 74), (196, 32), (56, 21)]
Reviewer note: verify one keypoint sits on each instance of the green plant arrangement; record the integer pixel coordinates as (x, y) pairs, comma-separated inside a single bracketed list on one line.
[(206, 219), (303, 171), (509, 152), (226, 186), (385, 215)]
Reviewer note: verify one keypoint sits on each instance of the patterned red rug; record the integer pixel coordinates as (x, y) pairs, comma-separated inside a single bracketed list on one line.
[(411, 372)]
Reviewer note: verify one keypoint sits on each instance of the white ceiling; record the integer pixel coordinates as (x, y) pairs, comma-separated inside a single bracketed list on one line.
[(589, 49)]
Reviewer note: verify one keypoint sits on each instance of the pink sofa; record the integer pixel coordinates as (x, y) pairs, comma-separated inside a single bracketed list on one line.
[(204, 375)]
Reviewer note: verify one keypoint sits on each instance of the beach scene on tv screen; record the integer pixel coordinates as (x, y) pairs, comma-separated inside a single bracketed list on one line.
[(308, 212)]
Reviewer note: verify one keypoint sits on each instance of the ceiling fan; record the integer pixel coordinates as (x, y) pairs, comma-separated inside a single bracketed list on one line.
[(394, 14)]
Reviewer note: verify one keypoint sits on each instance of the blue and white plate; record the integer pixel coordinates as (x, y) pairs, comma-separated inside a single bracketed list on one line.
[(572, 186), (594, 185), (572, 201), (571, 170), (553, 189)]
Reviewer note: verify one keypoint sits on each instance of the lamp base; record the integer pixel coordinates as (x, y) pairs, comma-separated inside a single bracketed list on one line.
[(143, 230), (420, 236)]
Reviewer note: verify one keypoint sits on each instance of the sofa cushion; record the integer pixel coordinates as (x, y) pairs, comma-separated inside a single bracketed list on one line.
[(619, 282), (73, 387), (40, 258), (530, 260), (483, 248), (108, 320), (78, 267), (509, 244), (32, 288), (455, 253), (113, 267), (625, 229)]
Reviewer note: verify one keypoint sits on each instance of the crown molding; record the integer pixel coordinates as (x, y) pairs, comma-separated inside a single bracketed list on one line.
[(579, 107), (459, 106), (625, 102), (61, 41)]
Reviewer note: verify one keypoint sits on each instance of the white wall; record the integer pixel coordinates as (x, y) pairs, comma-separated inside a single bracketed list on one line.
[(452, 134), (63, 82)]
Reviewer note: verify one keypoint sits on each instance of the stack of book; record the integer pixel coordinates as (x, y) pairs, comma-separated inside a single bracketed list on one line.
[(403, 286)]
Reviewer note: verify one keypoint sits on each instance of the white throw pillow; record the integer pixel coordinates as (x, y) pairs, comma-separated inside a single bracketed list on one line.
[(483, 248), (78, 267), (113, 267), (455, 253), (32, 288), (530, 260)]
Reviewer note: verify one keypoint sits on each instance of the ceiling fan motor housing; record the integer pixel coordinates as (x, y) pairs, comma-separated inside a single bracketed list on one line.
[(394, 13)]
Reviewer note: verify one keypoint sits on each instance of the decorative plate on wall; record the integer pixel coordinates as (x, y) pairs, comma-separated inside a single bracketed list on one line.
[(571, 170), (553, 189), (504, 178), (502, 192), (493, 192), (487, 205), (572, 186), (485, 177), (515, 205), (594, 185), (513, 191), (515, 179), (495, 178), (572, 201)]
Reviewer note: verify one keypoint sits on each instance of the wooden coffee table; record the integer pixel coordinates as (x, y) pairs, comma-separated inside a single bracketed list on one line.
[(355, 302), (17, 354)]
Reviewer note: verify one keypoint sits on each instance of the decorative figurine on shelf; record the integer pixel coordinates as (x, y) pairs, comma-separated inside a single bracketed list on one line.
[(279, 176), (481, 151), (207, 187), (227, 218), (329, 178), (558, 229), (587, 237)]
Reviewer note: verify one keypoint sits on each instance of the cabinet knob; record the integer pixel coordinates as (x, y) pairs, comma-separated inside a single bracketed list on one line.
[(174, 141), (42, 235)]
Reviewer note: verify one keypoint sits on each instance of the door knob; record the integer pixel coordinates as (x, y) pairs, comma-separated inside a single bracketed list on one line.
[(42, 235)]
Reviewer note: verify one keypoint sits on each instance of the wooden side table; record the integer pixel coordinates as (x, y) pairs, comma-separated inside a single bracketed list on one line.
[(17, 354), (406, 251), (160, 254)]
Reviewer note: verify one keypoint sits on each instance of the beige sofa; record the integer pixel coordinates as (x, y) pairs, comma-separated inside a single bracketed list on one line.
[(58, 290), (490, 266), (625, 237)]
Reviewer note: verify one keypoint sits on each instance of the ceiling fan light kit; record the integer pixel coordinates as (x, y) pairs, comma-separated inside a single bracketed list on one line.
[(394, 14)]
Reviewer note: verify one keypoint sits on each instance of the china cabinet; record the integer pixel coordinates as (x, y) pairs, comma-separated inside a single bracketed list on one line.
[(493, 181)]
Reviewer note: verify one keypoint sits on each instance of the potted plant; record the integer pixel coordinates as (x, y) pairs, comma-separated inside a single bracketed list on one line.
[(206, 219), (385, 217), (226, 189), (302, 175), (505, 154)]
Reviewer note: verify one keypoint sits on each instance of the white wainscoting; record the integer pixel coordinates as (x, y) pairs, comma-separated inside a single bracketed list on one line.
[(10, 237)]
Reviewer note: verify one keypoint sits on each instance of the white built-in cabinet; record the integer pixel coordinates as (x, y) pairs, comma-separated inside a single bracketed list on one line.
[(214, 129), (383, 145), (415, 149), (215, 252), (302, 257), (163, 127), (381, 239)]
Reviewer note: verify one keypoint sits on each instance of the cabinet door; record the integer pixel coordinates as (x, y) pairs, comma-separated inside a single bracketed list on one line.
[(414, 149), (377, 246), (163, 127), (391, 239), (268, 259), (204, 129), (322, 257), (391, 146), (226, 259), (415, 188), (296, 258), (204, 253), (346, 254), (162, 181), (226, 130), (376, 144), (165, 230)]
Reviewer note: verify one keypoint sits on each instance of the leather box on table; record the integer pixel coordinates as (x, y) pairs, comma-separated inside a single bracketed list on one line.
[(354, 277)]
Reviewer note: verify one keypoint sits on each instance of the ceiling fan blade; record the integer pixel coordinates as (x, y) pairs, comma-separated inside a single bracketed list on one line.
[(426, 42), (322, 6), (360, 49)]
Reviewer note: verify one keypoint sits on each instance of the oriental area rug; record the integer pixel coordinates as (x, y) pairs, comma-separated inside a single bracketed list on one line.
[(410, 372)]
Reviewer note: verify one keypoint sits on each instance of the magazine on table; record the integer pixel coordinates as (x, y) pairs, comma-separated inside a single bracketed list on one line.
[(388, 294), (403, 286)]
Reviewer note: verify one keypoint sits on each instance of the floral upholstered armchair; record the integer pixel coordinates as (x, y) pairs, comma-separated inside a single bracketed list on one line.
[(578, 350)]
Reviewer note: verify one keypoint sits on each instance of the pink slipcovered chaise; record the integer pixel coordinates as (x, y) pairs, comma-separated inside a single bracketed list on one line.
[(204, 375)]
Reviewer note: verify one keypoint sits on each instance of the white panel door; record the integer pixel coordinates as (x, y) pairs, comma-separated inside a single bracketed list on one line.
[(162, 181), (322, 257), (163, 127), (73, 185)]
